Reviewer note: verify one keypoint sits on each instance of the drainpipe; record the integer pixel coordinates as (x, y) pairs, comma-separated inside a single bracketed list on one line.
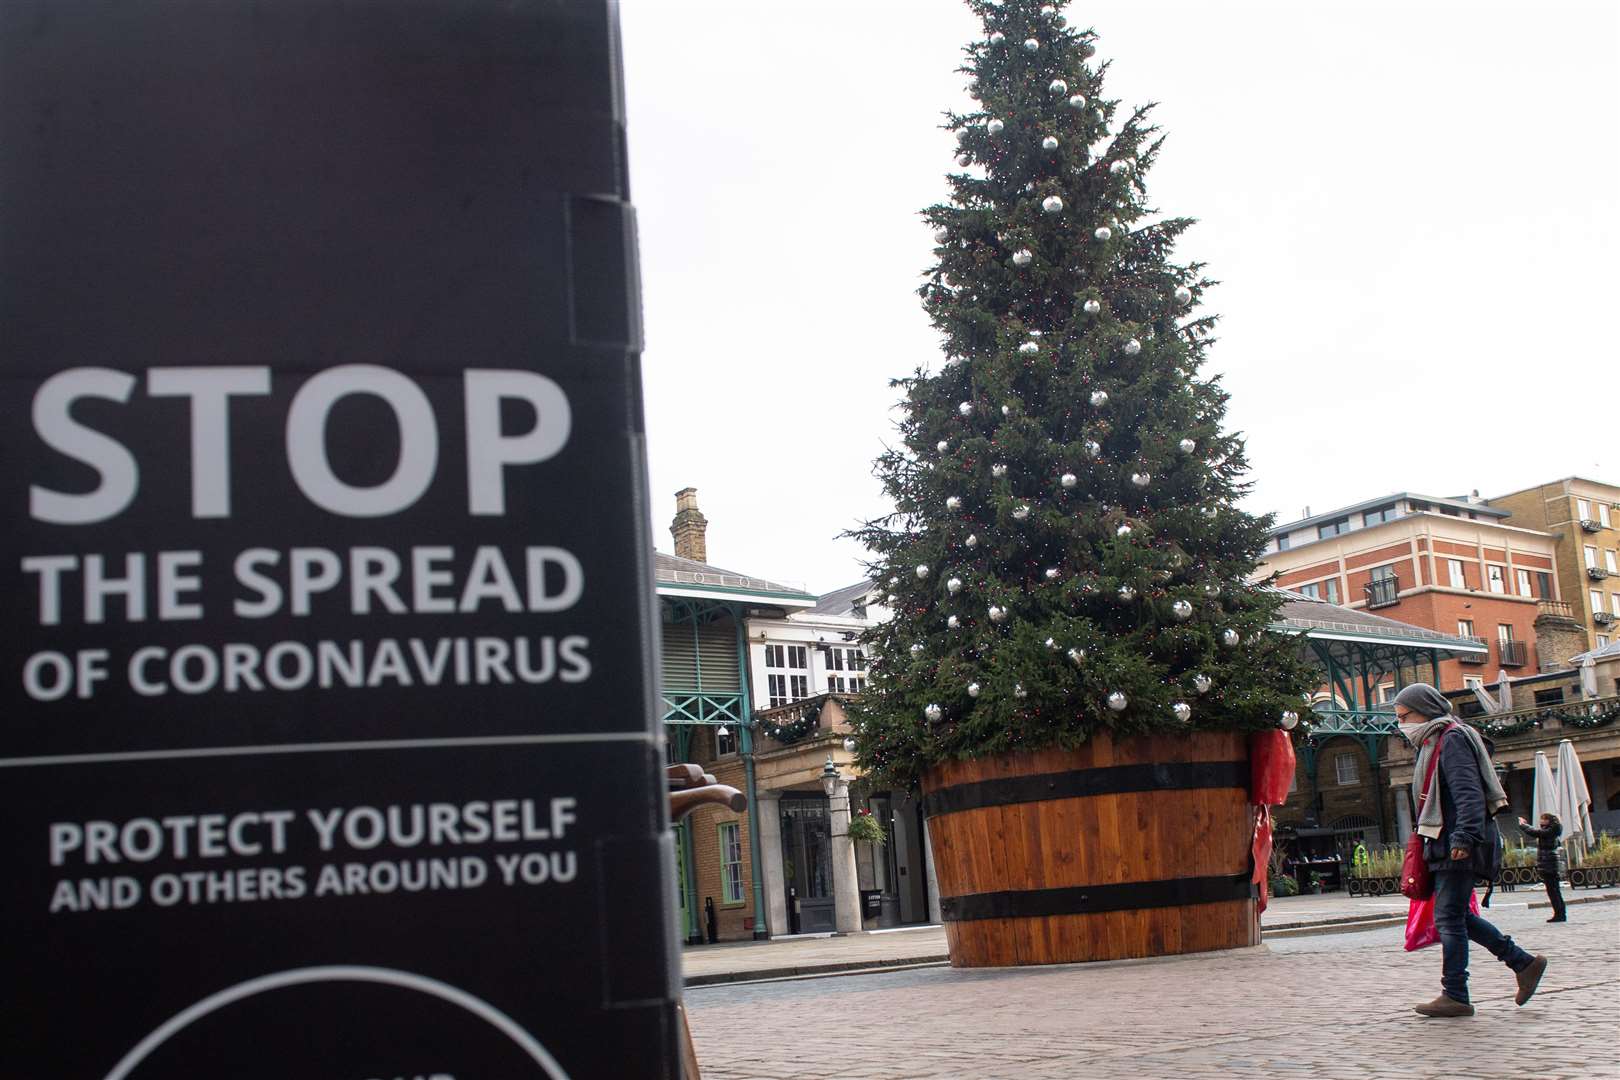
[(745, 725)]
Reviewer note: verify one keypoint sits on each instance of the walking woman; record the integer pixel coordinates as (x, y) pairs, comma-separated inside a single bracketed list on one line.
[(1452, 823), (1547, 858)]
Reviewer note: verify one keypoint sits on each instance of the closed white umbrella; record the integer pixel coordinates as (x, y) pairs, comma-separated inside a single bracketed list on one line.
[(1575, 798), (1544, 800), (1589, 687), (1502, 701)]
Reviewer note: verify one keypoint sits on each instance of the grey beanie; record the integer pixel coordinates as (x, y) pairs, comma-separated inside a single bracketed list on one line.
[(1425, 699)]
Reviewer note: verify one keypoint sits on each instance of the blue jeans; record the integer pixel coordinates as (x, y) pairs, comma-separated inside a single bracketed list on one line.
[(1456, 925)]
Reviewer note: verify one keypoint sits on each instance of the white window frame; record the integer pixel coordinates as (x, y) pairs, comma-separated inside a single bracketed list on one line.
[(1603, 515), (1454, 570), (1591, 555), (1345, 766), (1469, 632), (1521, 578), (1473, 682), (1583, 509), (1495, 579), (1504, 632), (1609, 561), (1614, 603), (1331, 586), (1386, 693), (1595, 597), (1312, 591), (1603, 643), (721, 742), (731, 880)]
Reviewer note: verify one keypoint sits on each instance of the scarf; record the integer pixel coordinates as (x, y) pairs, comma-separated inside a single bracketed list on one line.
[(1420, 735)]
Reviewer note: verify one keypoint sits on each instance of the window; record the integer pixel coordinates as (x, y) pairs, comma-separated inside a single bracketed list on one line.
[(1383, 573), (785, 686), (725, 744), (1597, 601), (1583, 509), (786, 656), (1332, 528), (731, 882), (1473, 682), (1344, 769), (1454, 568), (1284, 542), (1494, 579), (1603, 643), (1330, 589), (1504, 633), (1313, 590), (1465, 627), (777, 685), (1521, 578), (1591, 555), (1614, 603), (1544, 585), (1386, 693), (1555, 696), (1608, 561), (1380, 514), (1603, 515)]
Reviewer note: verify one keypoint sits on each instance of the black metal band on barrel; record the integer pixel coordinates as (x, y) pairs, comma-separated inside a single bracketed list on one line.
[(1079, 783), (1091, 899)]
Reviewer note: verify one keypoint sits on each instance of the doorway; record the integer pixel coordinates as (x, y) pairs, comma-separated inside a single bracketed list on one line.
[(807, 865)]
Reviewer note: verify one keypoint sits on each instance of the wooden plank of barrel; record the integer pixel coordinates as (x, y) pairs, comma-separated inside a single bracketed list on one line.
[(1128, 847)]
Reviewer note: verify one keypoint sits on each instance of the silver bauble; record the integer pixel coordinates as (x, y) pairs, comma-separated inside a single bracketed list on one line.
[(996, 613), (1068, 480), (1092, 307), (942, 235), (1141, 479), (942, 446), (1120, 168), (953, 503), (1183, 295), (1132, 347), (1103, 233), (1077, 657), (1182, 710), (1187, 446), (1020, 512), (1099, 398), (1087, 50), (1029, 348), (1077, 101), (998, 38), (1058, 86), (922, 570), (1211, 589), (953, 623), (1052, 204), (1126, 594), (916, 648), (995, 127), (998, 470), (1123, 531), (973, 689), (972, 540), (1006, 410), (1231, 638), (1202, 683), (1051, 643), (1181, 610), (933, 712), (1019, 691), (1048, 11), (1051, 573), (1049, 143), (966, 408), (1092, 447), (1290, 720), (953, 586), (1031, 45), (1023, 257), (1117, 702)]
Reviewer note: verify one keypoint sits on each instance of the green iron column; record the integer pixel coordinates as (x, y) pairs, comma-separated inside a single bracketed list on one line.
[(745, 711)]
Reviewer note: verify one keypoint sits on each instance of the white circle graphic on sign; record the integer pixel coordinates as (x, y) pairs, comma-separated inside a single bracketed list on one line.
[(341, 973)]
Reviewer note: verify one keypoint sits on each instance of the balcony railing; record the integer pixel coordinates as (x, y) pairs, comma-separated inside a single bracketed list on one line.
[(1476, 658), (1382, 592), (1596, 573), (1555, 609), (1513, 653), (1589, 525), (1603, 618)]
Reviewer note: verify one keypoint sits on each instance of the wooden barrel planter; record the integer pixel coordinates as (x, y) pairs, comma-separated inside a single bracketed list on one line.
[(1138, 846)]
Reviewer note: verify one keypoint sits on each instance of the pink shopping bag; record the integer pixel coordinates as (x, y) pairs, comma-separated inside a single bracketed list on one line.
[(1420, 931)]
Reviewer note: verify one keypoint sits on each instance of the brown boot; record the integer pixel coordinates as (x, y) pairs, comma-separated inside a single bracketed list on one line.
[(1529, 978), (1444, 1006)]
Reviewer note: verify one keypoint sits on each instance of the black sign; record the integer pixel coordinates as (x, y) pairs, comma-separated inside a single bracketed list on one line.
[(328, 744)]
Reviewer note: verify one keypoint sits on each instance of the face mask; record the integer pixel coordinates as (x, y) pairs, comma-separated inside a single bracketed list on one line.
[(1410, 730)]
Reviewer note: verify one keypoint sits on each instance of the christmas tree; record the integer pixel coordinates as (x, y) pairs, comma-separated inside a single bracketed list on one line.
[(1065, 555)]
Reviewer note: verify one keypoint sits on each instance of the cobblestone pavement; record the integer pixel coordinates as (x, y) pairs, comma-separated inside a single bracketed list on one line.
[(1334, 1006)]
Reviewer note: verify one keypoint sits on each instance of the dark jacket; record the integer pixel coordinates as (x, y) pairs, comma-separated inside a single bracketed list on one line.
[(1462, 803), (1546, 844)]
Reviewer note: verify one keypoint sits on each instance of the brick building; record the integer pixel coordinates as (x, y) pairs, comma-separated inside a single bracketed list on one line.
[(1454, 566), (1583, 516)]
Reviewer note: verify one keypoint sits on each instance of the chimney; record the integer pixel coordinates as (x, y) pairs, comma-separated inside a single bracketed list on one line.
[(690, 528)]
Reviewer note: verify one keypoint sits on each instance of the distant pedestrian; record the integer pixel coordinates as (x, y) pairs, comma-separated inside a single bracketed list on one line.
[(1547, 859), (1359, 858), (1453, 823)]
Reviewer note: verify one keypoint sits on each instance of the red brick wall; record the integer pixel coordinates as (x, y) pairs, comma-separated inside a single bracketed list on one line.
[(1441, 611), (736, 922)]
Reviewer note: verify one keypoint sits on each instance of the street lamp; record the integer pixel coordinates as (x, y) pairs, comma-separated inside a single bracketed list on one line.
[(829, 777)]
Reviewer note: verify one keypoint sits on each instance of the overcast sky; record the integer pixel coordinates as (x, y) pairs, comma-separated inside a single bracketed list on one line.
[(1413, 207)]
